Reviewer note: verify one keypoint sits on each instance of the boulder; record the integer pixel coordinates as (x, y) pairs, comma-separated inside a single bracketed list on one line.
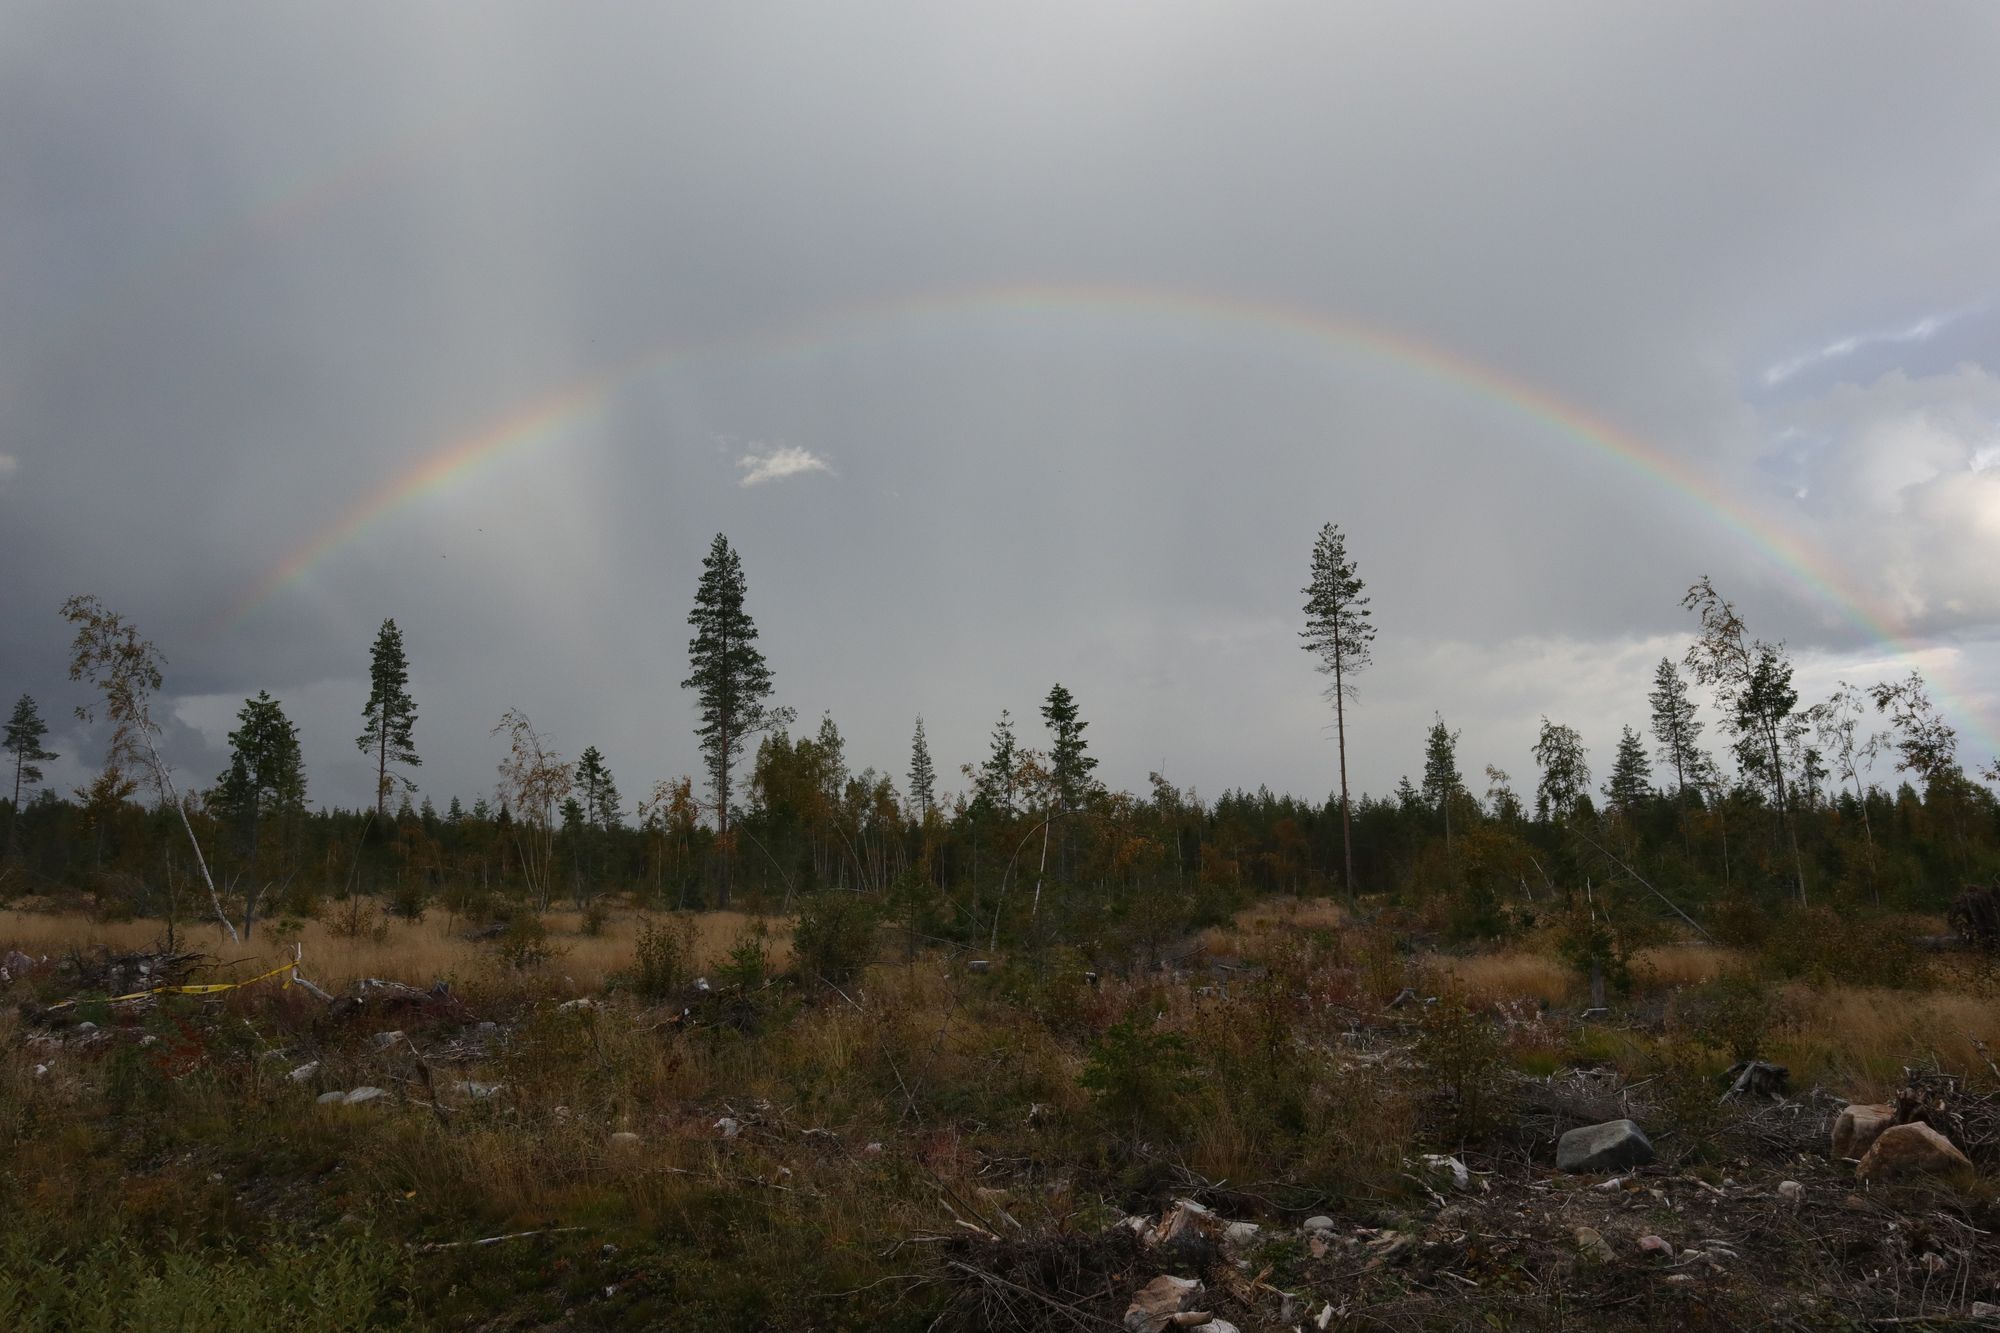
[(1156, 1304), (1902, 1150), (330, 1098), (1319, 1223), (304, 1071), (360, 1095), (1858, 1126), (1611, 1146)]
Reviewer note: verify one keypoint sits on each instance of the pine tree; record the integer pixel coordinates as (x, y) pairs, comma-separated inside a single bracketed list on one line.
[(1628, 786), (23, 740), (1338, 631), (1070, 764), (390, 715), (730, 680), (923, 777), (266, 779)]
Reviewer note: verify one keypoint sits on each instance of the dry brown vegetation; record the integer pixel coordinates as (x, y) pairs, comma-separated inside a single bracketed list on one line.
[(438, 947), (927, 1144)]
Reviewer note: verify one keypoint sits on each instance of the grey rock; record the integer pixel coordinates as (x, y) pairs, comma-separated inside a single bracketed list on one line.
[(330, 1098), (1319, 1223), (1611, 1146), (1241, 1235), (304, 1072), (625, 1138), (364, 1094), (384, 1040)]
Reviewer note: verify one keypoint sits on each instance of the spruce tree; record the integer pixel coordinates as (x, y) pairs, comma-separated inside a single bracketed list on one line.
[(1442, 782), (994, 787), (1339, 633), (266, 780), (923, 777), (1628, 786), (1070, 763), (730, 681), (598, 791), (1674, 723), (389, 715)]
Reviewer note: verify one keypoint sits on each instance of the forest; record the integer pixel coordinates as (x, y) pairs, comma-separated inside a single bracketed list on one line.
[(1786, 810), (792, 1044)]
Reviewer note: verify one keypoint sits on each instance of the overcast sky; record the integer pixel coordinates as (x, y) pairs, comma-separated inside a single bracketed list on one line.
[(259, 262)]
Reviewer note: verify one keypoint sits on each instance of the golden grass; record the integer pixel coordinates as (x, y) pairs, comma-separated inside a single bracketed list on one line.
[(1859, 1039), (1505, 976), (418, 953), (1256, 925)]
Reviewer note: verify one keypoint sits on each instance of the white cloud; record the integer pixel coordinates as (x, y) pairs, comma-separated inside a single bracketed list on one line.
[(787, 460), (1920, 332), (1905, 496)]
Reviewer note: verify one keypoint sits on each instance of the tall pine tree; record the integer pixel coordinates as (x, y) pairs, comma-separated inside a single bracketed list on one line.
[(1628, 786), (923, 777), (1442, 782), (1339, 633), (730, 681), (23, 740), (389, 716)]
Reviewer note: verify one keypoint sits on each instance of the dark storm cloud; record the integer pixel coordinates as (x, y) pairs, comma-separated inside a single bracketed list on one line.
[(256, 264)]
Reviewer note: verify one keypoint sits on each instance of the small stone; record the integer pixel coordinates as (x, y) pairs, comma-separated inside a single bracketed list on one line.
[(979, 966), (304, 1072), (487, 1028), (1592, 1243), (1241, 1235), (1611, 1146), (625, 1138), (363, 1094), (330, 1098), (872, 1150), (728, 1127), (569, 1006), (1655, 1245), (1791, 1191), (86, 1026), (1319, 1223), (384, 1040)]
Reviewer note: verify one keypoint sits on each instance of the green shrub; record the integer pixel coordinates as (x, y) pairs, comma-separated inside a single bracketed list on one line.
[(302, 1286), (525, 943), (663, 961), (1459, 1048), (1137, 1075), (835, 937)]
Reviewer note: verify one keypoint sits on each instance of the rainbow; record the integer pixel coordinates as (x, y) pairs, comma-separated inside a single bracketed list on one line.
[(563, 410)]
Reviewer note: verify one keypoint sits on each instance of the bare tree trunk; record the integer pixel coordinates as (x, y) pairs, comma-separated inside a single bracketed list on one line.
[(166, 782), (1346, 817)]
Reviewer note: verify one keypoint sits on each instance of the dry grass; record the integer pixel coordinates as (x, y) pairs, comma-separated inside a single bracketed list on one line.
[(1253, 929), (412, 952), (1505, 976), (1859, 1039)]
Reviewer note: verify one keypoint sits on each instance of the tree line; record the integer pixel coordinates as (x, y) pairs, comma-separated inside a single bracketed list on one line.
[(1785, 814)]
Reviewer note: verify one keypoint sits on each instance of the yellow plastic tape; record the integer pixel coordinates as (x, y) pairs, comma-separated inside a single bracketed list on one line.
[(210, 988)]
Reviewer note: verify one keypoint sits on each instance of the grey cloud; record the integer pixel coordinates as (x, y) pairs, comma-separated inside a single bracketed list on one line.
[(257, 265)]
